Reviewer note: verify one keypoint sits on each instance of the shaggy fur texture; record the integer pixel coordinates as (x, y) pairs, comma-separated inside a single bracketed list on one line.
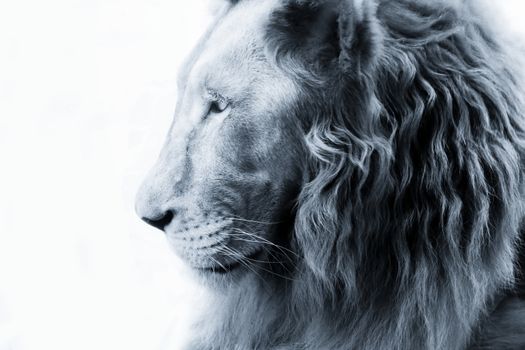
[(407, 226)]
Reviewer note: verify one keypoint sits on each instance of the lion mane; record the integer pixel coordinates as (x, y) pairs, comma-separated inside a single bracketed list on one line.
[(407, 227)]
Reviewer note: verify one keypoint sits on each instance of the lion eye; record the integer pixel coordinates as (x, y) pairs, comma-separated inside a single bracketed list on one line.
[(218, 106)]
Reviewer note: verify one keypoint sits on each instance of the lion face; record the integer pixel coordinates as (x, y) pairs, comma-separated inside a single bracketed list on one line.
[(230, 166)]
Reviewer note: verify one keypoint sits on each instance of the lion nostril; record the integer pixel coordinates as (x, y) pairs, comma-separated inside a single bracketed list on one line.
[(160, 222)]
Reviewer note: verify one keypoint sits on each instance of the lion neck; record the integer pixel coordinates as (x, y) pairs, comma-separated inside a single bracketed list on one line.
[(267, 313)]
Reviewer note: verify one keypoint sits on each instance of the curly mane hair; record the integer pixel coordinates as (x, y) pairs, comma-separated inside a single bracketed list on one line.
[(407, 227)]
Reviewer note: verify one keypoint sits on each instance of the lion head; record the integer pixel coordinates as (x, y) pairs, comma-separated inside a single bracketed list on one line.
[(348, 172), (233, 161)]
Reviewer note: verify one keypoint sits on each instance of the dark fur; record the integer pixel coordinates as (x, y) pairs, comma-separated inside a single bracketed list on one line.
[(408, 223)]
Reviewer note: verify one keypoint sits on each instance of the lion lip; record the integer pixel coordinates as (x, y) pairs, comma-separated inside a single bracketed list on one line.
[(220, 269), (227, 268)]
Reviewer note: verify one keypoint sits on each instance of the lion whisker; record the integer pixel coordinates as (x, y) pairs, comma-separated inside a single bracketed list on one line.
[(240, 258), (218, 263), (253, 221), (260, 239), (275, 259), (247, 260)]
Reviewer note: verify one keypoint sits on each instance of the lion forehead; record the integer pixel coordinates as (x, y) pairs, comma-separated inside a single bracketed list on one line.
[(237, 63)]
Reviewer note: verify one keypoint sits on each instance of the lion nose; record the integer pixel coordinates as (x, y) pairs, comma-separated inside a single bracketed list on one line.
[(161, 221), (152, 208)]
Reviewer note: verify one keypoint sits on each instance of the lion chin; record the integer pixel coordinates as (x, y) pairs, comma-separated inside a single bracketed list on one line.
[(349, 174)]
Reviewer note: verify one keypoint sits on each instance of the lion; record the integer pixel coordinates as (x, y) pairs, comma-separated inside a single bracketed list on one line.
[(348, 174)]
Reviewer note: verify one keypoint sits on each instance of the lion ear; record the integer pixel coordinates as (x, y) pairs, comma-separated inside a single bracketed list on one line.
[(324, 33)]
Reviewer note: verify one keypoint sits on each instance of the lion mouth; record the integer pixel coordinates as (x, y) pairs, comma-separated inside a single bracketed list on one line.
[(223, 268)]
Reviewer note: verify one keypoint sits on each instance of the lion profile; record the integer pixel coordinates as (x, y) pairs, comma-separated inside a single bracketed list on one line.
[(349, 174)]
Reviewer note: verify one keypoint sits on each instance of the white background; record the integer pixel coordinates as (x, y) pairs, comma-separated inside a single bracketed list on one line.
[(87, 91)]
